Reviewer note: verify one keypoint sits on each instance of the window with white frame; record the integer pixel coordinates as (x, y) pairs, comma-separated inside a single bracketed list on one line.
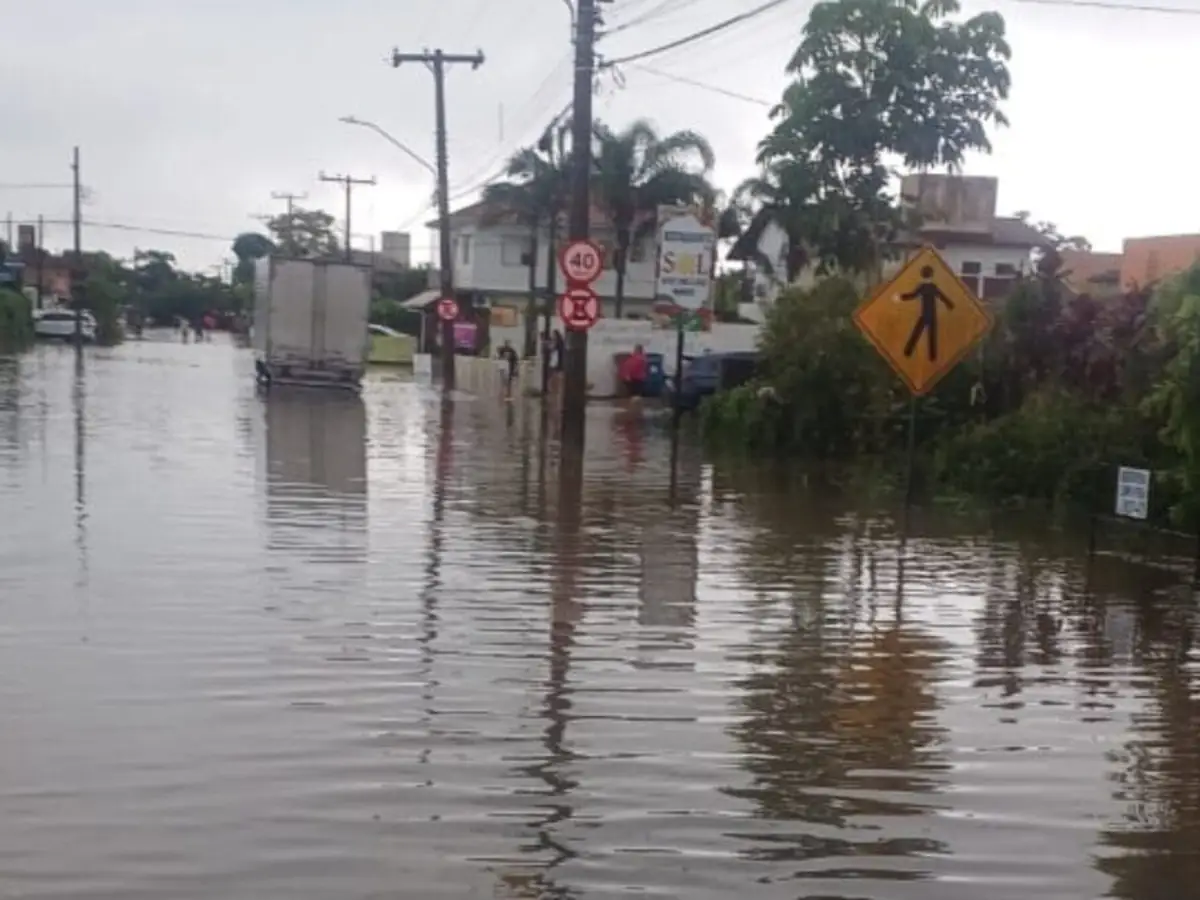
[(464, 243), (515, 252)]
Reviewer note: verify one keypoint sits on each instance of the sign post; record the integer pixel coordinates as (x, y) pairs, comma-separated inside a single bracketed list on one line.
[(923, 321), (687, 251), (1133, 493)]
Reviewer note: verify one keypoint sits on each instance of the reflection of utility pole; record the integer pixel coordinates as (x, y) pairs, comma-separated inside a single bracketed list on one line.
[(437, 61), (575, 364), (77, 268), (348, 181)]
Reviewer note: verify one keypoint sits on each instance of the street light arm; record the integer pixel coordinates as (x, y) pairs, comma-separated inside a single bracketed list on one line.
[(351, 120)]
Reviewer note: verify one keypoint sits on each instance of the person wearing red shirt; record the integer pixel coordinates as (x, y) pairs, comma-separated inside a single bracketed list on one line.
[(633, 372)]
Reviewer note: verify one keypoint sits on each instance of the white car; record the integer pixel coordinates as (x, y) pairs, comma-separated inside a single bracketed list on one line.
[(60, 324)]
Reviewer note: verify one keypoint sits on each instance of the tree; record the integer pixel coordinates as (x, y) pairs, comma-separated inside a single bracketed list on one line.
[(535, 193), (636, 171), (879, 82), (304, 232), (248, 247)]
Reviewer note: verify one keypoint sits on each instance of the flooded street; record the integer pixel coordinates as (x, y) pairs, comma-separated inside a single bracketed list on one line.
[(322, 647)]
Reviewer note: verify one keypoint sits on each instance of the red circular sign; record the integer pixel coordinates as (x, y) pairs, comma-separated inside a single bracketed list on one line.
[(447, 309), (581, 261), (579, 308)]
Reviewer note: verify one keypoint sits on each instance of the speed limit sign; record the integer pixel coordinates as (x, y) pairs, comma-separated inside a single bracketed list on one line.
[(581, 262)]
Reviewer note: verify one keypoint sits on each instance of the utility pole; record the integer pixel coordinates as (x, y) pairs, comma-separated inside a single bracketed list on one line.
[(289, 198), (77, 273), (575, 364), (41, 258), (348, 181), (437, 61)]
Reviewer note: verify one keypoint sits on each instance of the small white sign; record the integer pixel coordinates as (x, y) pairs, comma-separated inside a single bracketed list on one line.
[(686, 255), (1133, 493)]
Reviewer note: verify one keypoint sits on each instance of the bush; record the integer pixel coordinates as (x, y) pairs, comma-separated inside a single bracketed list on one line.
[(16, 321), (826, 392), (1052, 448)]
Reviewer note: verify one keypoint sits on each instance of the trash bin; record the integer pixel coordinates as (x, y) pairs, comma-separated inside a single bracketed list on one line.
[(655, 376)]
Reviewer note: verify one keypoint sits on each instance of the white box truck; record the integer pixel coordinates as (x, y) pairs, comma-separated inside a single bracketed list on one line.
[(311, 321)]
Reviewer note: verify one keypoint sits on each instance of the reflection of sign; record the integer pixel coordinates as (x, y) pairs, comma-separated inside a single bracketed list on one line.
[(686, 251), (447, 309), (923, 321), (579, 308), (581, 262), (1133, 493)]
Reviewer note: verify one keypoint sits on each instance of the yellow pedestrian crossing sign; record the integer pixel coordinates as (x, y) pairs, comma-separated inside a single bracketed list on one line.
[(924, 320)]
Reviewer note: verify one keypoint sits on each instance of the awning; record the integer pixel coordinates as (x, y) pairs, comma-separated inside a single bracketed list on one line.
[(422, 300)]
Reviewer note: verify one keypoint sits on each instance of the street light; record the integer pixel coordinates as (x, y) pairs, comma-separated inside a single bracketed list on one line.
[(351, 120)]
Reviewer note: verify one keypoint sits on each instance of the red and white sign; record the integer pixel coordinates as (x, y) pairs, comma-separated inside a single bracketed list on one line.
[(579, 308), (581, 262), (447, 309)]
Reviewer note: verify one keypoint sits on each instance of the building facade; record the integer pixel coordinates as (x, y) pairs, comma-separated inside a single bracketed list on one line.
[(492, 255)]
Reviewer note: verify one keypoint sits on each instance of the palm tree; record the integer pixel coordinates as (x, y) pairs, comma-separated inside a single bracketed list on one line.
[(535, 193), (784, 189), (637, 170)]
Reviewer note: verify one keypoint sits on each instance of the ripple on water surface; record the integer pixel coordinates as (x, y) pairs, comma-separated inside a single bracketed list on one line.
[(309, 646)]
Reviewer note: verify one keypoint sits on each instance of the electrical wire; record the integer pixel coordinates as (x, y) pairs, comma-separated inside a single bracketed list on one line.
[(698, 35), (1119, 7), (664, 8), (700, 84)]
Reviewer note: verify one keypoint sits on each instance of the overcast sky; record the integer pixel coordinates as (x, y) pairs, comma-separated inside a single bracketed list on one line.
[(190, 113)]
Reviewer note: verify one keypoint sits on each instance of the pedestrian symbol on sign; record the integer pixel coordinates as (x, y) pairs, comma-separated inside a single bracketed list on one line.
[(929, 294)]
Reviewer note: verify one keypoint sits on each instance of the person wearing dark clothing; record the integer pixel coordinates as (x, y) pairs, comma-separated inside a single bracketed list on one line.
[(508, 357)]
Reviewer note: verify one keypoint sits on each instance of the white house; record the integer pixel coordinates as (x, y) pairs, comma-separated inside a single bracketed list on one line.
[(958, 217), (491, 261)]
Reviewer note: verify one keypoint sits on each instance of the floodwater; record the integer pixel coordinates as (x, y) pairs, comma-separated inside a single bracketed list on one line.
[(322, 647)]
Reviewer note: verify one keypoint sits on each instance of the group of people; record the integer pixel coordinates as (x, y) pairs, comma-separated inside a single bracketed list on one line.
[(632, 372), (201, 329)]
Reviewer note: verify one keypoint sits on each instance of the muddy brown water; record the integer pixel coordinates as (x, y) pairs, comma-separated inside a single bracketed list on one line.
[(314, 647)]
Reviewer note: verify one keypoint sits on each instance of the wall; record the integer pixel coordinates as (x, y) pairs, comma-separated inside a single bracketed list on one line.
[(612, 336), (486, 272)]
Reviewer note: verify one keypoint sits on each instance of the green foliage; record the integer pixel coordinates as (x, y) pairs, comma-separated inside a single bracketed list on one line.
[(16, 321), (249, 247), (875, 81), (304, 233), (1054, 447)]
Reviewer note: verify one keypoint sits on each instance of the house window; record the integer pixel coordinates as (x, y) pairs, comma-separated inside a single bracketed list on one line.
[(1005, 270), (514, 252), (465, 243), (971, 268), (637, 251)]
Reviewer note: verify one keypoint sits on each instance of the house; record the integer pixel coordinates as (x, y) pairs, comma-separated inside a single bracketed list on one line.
[(1146, 260), (956, 214), (1088, 272), (491, 257)]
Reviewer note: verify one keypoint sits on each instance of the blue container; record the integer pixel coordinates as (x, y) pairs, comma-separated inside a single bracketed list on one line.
[(655, 376)]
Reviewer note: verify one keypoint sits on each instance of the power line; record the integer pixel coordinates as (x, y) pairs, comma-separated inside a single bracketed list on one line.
[(706, 87), (665, 7), (698, 35), (1120, 7)]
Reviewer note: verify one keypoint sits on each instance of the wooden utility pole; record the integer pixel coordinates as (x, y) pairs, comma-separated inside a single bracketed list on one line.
[(575, 364), (437, 61), (77, 273), (290, 199), (349, 181), (41, 259)]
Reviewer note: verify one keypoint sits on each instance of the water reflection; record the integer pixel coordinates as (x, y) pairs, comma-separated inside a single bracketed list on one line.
[(524, 674)]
